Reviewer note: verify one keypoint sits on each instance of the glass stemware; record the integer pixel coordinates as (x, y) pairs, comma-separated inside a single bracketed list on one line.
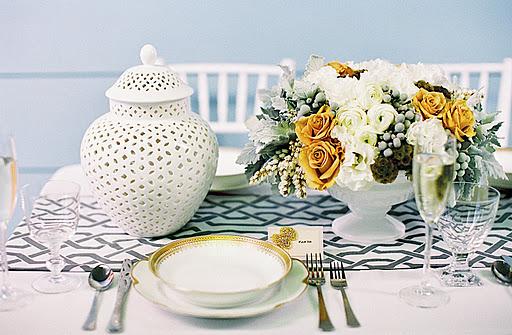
[(52, 216), (10, 297), (433, 174), (464, 226)]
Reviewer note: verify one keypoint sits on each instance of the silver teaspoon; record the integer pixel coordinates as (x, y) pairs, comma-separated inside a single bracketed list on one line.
[(100, 279), (502, 270)]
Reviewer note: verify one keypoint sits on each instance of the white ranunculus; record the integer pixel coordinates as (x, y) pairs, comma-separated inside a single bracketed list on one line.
[(381, 116), (366, 134), (352, 118), (429, 134), (368, 94)]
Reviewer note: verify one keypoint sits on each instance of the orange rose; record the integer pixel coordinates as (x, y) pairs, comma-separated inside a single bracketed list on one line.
[(316, 126), (321, 162), (429, 104), (459, 119)]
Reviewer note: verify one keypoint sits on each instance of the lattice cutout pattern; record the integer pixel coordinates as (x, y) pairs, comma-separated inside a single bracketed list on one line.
[(156, 111), (150, 176), (148, 81)]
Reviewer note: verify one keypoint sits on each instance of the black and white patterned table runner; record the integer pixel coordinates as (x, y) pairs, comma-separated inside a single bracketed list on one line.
[(98, 240)]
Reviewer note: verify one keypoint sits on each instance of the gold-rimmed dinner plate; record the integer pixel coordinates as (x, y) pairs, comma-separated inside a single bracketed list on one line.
[(155, 291), (504, 157), (220, 270)]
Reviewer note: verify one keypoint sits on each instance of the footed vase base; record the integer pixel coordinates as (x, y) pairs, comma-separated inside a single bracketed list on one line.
[(368, 229)]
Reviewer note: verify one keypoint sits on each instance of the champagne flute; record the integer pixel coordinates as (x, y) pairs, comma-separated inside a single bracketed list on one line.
[(433, 174), (10, 297)]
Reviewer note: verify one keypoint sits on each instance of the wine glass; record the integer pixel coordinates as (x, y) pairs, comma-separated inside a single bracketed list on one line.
[(10, 297), (464, 226), (433, 174), (52, 216)]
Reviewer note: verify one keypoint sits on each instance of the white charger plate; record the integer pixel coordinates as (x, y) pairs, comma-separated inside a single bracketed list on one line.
[(154, 290), (229, 174), (220, 270), (504, 157)]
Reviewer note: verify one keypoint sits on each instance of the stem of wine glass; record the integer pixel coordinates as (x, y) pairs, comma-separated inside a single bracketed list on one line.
[(55, 263), (461, 261), (4, 284), (425, 283)]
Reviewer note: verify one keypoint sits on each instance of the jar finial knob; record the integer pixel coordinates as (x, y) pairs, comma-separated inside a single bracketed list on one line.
[(148, 55)]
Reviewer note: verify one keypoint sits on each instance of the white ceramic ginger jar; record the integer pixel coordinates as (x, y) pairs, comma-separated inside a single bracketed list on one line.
[(150, 160)]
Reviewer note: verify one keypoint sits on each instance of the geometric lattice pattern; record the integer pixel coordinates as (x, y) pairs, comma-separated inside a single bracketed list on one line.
[(99, 241)]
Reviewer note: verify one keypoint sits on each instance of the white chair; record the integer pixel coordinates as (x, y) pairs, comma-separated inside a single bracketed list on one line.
[(222, 73), (462, 73)]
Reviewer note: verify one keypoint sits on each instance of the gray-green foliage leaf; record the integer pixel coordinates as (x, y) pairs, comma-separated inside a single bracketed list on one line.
[(248, 155)]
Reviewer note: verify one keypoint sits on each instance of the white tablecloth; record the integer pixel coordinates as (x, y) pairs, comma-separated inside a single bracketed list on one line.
[(373, 294)]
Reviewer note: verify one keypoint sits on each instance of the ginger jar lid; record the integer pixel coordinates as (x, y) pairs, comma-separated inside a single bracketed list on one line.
[(149, 82)]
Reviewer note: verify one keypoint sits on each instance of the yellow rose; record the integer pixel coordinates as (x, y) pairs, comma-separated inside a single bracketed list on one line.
[(321, 162), (316, 126), (344, 70), (459, 119), (429, 104)]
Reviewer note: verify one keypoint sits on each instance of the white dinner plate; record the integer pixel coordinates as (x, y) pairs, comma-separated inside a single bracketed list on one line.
[(220, 270), (154, 290), (504, 157), (229, 175)]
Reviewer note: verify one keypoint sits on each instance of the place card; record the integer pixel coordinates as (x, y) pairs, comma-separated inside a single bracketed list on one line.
[(297, 240)]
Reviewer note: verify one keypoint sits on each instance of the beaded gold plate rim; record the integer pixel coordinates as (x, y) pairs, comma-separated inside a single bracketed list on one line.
[(159, 255), (222, 313)]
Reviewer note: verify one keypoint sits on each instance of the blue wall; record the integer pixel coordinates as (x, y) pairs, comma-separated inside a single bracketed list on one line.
[(91, 41)]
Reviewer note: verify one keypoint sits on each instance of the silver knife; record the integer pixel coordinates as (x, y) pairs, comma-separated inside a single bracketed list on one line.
[(115, 324)]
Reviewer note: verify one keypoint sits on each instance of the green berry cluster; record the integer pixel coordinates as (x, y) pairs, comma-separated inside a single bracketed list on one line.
[(394, 137), (311, 103), (464, 163)]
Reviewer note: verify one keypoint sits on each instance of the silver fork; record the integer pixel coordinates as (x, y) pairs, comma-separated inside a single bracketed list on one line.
[(316, 278), (339, 282)]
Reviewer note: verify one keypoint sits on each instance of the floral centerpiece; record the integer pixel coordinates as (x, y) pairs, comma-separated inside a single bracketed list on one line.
[(355, 125), (349, 128)]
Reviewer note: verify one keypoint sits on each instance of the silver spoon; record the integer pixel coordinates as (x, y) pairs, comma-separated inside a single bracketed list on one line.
[(502, 270), (100, 279)]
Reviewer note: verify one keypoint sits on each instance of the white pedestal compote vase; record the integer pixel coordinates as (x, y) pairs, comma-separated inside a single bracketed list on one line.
[(368, 221)]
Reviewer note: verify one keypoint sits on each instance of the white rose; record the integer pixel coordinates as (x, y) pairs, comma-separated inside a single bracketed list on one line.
[(429, 134), (368, 94), (381, 117)]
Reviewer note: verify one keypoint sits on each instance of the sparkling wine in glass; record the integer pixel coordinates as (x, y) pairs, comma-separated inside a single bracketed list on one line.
[(433, 174), (52, 215), (10, 297)]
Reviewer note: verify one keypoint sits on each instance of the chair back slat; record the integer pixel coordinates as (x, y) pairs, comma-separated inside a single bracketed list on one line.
[(261, 84), (203, 94), (207, 72), (183, 76), (241, 98), (222, 98), (505, 100), (483, 85)]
